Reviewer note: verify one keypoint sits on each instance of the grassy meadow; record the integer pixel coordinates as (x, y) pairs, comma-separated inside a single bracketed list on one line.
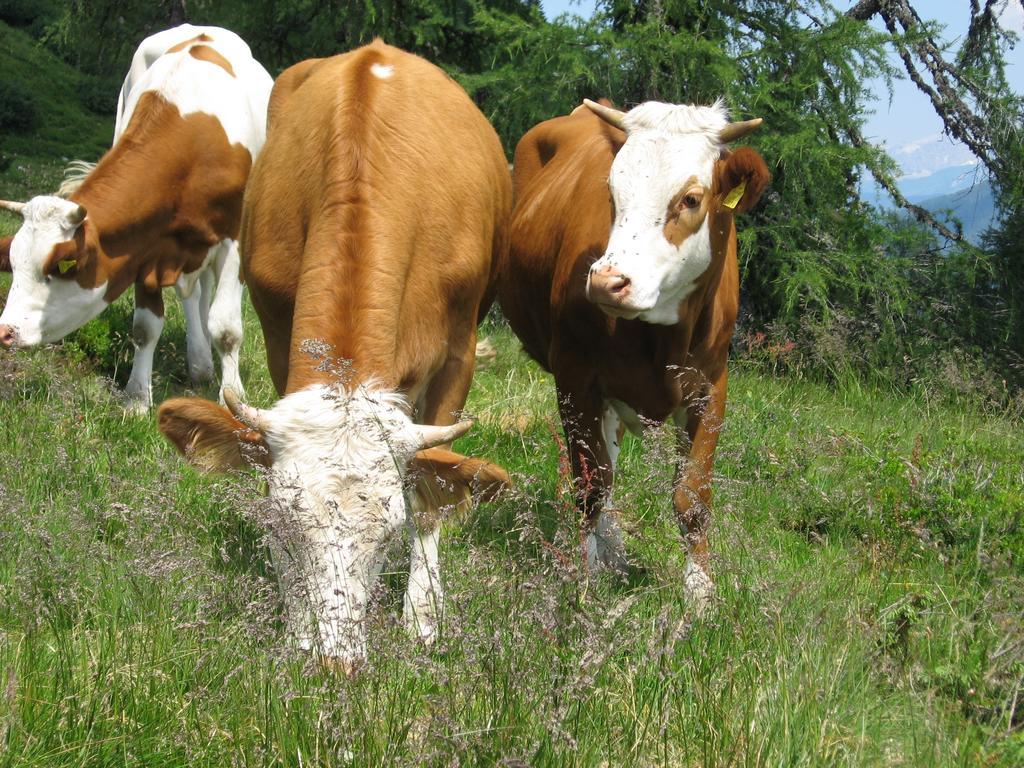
[(867, 550)]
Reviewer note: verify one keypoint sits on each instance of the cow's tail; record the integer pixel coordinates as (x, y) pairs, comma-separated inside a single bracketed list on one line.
[(74, 174)]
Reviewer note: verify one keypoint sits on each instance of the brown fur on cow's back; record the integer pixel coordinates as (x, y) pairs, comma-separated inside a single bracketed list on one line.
[(373, 217)]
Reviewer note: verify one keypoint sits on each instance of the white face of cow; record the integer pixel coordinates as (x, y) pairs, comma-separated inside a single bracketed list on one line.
[(661, 184), (328, 448), (338, 460), (45, 302)]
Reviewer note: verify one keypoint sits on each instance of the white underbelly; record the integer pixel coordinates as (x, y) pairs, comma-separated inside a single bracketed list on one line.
[(628, 416), (187, 281)]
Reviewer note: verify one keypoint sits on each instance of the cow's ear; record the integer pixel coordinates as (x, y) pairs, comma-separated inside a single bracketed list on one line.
[(449, 479), (740, 178), (209, 437), (5, 253), (64, 259)]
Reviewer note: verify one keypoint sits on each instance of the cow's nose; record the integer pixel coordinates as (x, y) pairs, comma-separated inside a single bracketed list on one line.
[(7, 335), (608, 286)]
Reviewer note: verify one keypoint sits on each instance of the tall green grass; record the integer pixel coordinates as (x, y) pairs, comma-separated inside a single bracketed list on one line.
[(866, 549)]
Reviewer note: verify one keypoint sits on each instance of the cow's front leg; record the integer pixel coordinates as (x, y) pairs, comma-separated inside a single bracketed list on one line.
[(424, 595), (697, 428), (225, 321), (147, 324), (604, 540), (585, 420), (197, 343), (430, 498)]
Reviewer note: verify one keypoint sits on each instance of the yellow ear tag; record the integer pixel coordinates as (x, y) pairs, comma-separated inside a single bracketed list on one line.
[(64, 265), (735, 194)]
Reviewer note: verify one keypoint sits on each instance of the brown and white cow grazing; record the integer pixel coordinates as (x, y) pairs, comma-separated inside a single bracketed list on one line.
[(630, 298), (373, 219), (161, 208)]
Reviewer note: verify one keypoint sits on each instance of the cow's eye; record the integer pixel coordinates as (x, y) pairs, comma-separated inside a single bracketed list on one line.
[(691, 200)]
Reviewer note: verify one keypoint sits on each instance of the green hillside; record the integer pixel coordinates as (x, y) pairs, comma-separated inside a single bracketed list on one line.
[(48, 110)]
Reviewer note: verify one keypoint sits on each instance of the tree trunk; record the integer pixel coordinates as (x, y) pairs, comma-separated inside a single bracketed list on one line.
[(178, 14), (865, 9)]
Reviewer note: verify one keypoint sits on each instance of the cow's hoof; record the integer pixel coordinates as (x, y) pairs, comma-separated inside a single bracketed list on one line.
[(486, 353), (424, 634), (336, 665), (425, 631), (199, 376), (236, 387), (604, 544), (421, 620), (136, 404), (699, 589)]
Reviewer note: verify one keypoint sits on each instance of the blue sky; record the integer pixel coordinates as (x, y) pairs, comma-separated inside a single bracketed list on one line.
[(908, 119)]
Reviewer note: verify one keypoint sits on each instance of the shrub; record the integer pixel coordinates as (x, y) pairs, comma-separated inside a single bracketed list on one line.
[(23, 13), (105, 341), (99, 94), (19, 108)]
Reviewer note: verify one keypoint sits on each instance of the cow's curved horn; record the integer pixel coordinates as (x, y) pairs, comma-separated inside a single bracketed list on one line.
[(251, 417), (18, 208), (610, 115), (429, 435), (738, 130), (77, 216)]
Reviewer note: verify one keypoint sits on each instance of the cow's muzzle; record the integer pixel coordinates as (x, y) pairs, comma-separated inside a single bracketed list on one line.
[(612, 291), (8, 336)]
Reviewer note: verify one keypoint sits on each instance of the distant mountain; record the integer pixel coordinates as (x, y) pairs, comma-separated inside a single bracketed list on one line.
[(974, 207), (917, 188), (945, 181), (951, 191), (930, 154)]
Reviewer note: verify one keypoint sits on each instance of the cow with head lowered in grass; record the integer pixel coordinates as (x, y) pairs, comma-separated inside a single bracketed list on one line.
[(622, 280), (161, 208), (373, 221)]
